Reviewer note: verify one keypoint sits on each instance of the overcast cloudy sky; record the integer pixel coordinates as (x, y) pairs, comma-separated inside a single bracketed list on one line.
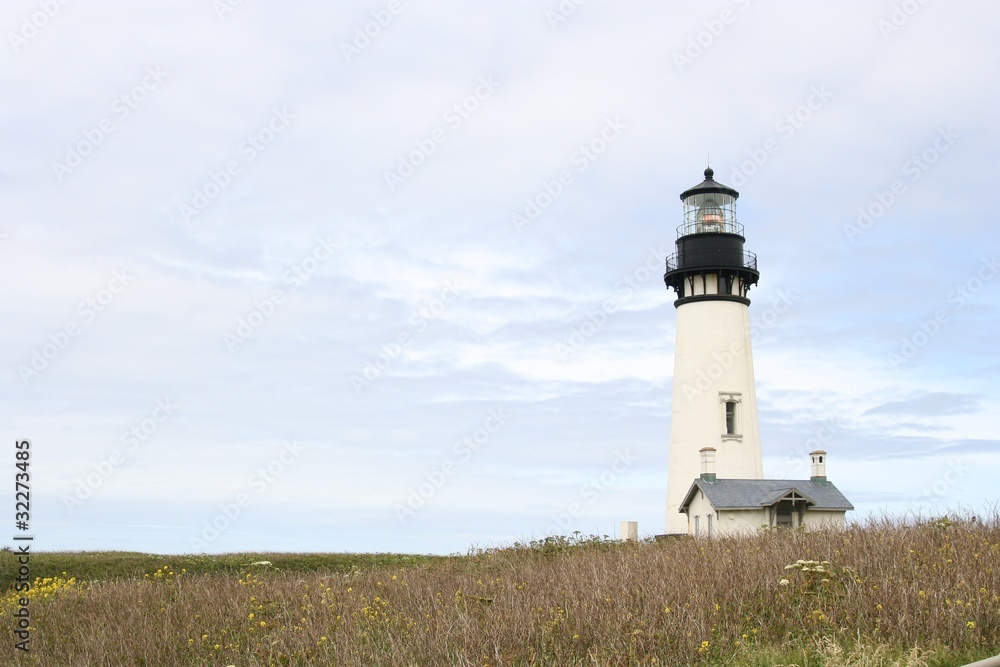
[(387, 276)]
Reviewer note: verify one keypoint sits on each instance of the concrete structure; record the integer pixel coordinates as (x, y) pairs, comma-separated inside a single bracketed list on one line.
[(714, 398), (629, 531), (713, 507)]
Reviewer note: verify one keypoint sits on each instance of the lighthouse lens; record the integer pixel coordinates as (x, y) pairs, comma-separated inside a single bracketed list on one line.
[(706, 212), (710, 217)]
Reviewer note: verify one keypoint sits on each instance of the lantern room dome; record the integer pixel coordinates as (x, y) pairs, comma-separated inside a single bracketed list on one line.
[(710, 186)]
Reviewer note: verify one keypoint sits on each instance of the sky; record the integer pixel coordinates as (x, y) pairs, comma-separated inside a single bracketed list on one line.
[(387, 277)]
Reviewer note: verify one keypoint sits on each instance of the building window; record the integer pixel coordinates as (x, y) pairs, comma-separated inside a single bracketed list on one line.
[(709, 525), (697, 525), (730, 403)]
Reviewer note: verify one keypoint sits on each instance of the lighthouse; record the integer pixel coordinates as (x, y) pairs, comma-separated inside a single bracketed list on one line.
[(714, 405)]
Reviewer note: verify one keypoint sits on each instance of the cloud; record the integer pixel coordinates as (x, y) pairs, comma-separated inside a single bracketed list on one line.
[(931, 405)]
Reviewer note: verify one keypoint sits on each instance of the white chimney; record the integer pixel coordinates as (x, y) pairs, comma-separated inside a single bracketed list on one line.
[(818, 460), (708, 464)]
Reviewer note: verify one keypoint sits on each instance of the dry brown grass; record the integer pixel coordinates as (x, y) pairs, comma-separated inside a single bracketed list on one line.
[(890, 594)]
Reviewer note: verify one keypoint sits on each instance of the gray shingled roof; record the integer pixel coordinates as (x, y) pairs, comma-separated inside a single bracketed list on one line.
[(745, 494)]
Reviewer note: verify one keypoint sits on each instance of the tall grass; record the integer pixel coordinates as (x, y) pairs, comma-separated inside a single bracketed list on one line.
[(882, 594)]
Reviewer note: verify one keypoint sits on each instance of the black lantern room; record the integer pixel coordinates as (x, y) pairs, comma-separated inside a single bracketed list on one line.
[(710, 262)]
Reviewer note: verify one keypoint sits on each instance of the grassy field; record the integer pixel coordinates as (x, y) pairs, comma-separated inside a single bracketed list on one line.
[(883, 594), (107, 565)]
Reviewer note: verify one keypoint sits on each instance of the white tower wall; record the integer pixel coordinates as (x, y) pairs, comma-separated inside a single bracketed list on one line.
[(713, 364)]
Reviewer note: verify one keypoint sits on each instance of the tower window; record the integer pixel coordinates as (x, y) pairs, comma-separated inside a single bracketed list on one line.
[(730, 417), (729, 402)]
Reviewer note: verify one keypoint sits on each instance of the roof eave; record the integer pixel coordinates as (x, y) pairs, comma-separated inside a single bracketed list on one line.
[(689, 496)]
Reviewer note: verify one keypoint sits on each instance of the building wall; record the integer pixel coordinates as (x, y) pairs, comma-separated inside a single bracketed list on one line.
[(825, 519), (712, 354), (723, 522), (697, 516), (746, 522), (743, 522)]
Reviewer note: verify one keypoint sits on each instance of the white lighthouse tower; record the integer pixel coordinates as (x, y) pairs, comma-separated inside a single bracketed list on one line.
[(714, 401)]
